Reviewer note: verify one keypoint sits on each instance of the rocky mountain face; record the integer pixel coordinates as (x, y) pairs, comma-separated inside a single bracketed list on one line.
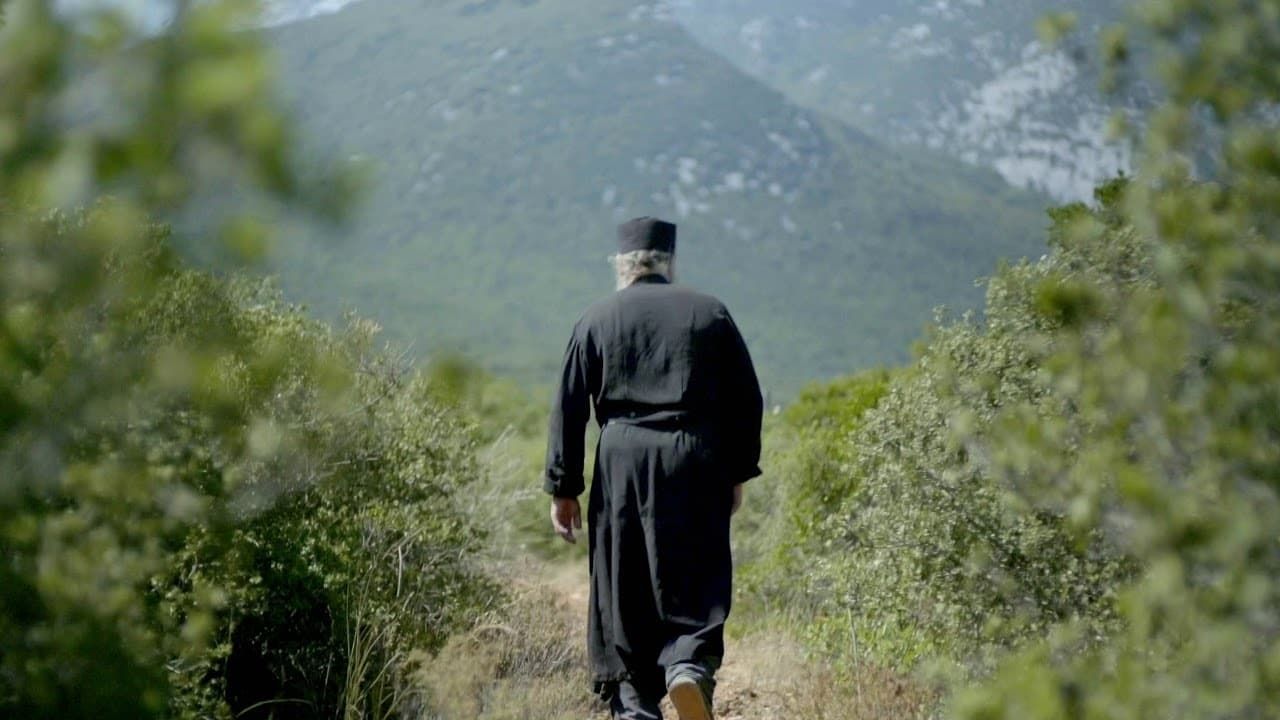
[(967, 77), (505, 138)]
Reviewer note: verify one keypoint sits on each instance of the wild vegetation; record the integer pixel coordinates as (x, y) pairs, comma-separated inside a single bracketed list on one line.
[(923, 554), (211, 504), (214, 506), (1071, 501)]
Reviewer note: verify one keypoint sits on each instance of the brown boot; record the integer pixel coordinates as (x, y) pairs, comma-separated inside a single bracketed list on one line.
[(690, 698)]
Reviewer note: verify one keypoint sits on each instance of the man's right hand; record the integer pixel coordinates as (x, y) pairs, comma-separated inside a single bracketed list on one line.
[(566, 516)]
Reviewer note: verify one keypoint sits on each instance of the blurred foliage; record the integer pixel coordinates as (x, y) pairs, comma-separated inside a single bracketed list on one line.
[(1172, 445), (1073, 499), (510, 424), (497, 405), (207, 502)]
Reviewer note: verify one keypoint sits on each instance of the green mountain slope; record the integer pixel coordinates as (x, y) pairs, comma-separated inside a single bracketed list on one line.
[(507, 138)]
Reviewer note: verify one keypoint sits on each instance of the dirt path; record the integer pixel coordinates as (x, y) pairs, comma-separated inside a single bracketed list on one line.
[(766, 677), (526, 660)]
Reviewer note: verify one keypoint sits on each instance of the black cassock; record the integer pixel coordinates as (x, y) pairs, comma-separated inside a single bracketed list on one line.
[(679, 407)]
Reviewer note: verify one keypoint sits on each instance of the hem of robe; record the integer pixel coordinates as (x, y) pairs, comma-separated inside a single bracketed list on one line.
[(603, 686)]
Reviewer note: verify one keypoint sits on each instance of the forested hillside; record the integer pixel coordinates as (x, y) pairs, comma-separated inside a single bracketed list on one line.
[(504, 140)]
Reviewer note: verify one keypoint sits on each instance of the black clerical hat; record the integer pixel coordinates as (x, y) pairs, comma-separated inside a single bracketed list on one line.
[(646, 233)]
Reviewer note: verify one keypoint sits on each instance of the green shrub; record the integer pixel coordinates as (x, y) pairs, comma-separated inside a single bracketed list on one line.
[(805, 479), (928, 553), (821, 415), (206, 501), (1177, 450), (357, 547), (1078, 491), (498, 405)]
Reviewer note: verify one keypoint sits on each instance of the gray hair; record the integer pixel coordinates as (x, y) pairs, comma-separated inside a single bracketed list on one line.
[(636, 264)]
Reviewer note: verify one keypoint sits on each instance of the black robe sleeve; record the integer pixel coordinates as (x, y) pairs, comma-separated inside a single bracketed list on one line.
[(570, 412), (741, 404)]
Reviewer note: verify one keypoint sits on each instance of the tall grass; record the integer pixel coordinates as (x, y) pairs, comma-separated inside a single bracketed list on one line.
[(525, 660)]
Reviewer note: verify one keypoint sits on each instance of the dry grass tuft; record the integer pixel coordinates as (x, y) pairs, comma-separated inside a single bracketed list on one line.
[(865, 694), (524, 661), (768, 676)]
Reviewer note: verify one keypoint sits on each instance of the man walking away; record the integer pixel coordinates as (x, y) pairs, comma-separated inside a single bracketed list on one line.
[(679, 409)]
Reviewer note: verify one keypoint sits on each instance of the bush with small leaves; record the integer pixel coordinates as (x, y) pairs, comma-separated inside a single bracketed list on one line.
[(1177, 389), (929, 554), (1077, 493), (207, 502), (344, 550)]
